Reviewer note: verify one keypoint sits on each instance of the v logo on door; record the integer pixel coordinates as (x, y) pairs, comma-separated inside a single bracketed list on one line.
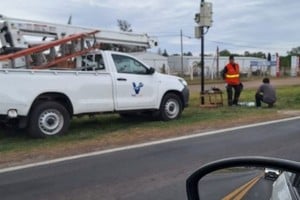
[(137, 88)]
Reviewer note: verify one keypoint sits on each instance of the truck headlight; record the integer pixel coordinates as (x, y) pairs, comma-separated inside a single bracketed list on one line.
[(12, 113)]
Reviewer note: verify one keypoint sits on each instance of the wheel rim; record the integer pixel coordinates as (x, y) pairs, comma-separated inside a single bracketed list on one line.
[(172, 108), (51, 122)]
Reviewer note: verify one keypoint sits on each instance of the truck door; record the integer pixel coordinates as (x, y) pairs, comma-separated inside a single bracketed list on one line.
[(136, 86)]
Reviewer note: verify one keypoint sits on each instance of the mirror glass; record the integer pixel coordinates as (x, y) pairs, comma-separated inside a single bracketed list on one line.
[(250, 183)]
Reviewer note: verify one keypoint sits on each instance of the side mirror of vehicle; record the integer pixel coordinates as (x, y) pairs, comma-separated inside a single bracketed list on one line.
[(151, 70), (245, 178)]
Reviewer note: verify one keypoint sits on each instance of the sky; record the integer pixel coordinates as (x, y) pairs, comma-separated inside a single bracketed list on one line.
[(238, 26)]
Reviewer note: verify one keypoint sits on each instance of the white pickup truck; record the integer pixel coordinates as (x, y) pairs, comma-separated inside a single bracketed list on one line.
[(44, 101)]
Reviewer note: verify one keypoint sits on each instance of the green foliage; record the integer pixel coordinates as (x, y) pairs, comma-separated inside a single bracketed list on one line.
[(188, 54), (255, 54), (124, 25), (165, 53), (294, 51), (285, 61), (224, 52), (163, 69), (288, 98), (159, 51), (246, 54)]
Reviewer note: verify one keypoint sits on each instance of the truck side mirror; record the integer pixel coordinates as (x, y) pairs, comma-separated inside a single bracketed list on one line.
[(151, 70), (239, 176)]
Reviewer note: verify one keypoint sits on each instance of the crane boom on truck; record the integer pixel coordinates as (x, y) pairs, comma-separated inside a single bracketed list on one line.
[(19, 34)]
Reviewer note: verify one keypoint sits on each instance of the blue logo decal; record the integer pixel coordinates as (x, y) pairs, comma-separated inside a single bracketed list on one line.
[(137, 88)]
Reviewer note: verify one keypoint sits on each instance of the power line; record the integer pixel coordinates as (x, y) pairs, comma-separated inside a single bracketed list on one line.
[(248, 46), (231, 43)]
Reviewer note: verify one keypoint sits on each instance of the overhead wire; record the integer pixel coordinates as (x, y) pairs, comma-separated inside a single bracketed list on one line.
[(230, 43)]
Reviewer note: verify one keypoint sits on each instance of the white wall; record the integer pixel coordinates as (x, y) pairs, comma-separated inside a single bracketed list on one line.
[(153, 60), (210, 64)]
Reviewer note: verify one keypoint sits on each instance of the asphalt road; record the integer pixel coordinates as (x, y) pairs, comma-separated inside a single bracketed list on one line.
[(153, 172), (261, 190), (230, 183)]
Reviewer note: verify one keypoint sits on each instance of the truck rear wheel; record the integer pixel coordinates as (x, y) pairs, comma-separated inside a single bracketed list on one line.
[(171, 107), (48, 119)]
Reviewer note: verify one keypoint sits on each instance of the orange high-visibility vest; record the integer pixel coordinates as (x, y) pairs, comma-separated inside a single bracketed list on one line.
[(233, 74)]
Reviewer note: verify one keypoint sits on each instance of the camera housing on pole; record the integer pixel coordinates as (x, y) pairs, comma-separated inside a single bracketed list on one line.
[(206, 14), (204, 20)]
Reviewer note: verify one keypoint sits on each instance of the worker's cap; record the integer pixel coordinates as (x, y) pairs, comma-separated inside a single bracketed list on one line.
[(231, 57)]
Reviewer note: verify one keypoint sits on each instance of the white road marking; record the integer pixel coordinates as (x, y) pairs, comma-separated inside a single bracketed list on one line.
[(143, 145)]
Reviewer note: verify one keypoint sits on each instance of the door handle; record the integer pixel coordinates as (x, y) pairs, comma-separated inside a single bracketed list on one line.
[(121, 79)]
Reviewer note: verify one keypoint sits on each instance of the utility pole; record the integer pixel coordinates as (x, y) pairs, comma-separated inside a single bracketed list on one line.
[(218, 63), (204, 20), (181, 45), (202, 63)]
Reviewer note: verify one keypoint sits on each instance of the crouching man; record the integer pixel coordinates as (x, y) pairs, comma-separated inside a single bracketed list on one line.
[(265, 93)]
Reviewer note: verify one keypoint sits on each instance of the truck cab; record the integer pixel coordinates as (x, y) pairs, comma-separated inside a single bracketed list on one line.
[(136, 84)]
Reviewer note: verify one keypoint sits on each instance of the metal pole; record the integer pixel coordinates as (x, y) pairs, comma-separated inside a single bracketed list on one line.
[(181, 44), (218, 74), (202, 62)]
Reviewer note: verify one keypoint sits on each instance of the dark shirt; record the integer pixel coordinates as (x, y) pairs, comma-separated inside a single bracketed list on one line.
[(268, 92)]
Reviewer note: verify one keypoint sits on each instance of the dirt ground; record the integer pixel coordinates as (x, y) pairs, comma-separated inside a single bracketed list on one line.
[(122, 138)]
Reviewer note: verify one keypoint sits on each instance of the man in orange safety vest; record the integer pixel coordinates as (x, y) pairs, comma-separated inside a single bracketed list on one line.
[(231, 74)]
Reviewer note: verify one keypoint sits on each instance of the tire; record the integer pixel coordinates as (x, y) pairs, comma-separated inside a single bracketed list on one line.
[(171, 107), (48, 119)]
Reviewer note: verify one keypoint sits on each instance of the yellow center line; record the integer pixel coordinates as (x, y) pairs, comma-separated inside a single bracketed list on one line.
[(244, 192), (240, 192)]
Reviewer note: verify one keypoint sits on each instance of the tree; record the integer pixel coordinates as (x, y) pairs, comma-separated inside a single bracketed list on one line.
[(159, 51), (188, 54), (255, 54), (163, 69), (225, 52), (294, 52), (269, 57), (285, 61), (165, 53), (124, 25), (261, 55), (247, 53)]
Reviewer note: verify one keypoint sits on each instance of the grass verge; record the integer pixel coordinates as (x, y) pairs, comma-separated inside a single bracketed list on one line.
[(108, 131)]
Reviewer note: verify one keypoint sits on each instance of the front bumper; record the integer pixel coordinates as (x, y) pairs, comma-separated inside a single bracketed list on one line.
[(19, 122), (3, 118)]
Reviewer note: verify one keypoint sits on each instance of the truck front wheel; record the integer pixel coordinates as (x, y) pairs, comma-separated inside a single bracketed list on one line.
[(48, 119), (171, 107)]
